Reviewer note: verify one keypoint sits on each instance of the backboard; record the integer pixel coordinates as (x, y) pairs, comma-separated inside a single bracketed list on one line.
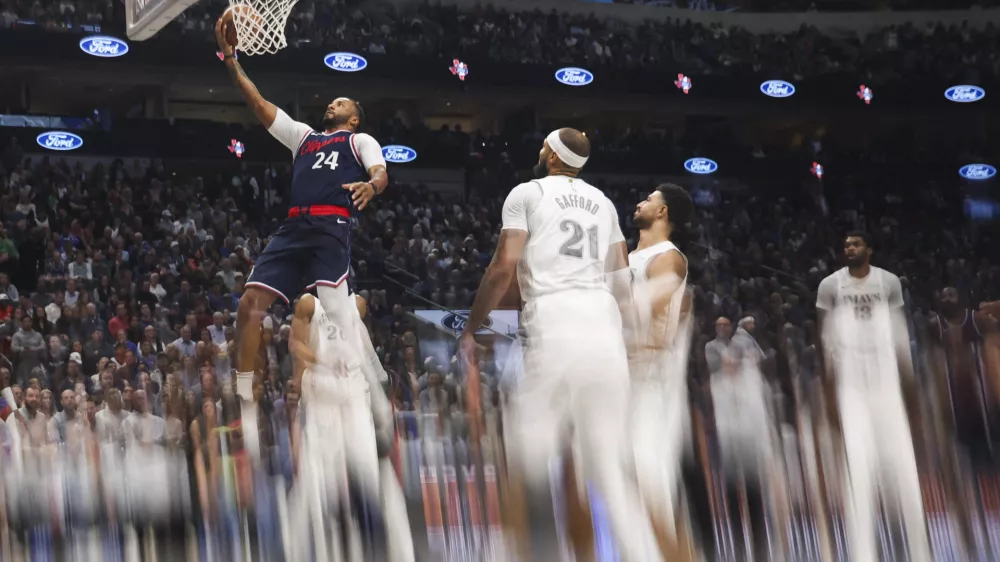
[(146, 17)]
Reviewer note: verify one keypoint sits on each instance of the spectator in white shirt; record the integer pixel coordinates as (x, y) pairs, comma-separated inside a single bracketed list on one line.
[(142, 428), (81, 268), (110, 419), (218, 329), (184, 344), (156, 288)]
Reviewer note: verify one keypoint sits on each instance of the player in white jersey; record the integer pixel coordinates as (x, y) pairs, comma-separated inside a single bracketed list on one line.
[(867, 349), (562, 237), (658, 362), (344, 410)]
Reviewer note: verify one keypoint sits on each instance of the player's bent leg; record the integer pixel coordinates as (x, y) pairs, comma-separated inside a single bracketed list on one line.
[(253, 305), (360, 446), (901, 462), (579, 520), (657, 438), (397, 522), (600, 411), (859, 486), (531, 440)]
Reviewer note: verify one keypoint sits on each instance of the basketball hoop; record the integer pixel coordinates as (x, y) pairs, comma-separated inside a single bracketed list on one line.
[(260, 24)]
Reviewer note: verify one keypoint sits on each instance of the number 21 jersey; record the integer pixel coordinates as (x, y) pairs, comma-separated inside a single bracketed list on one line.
[(571, 225)]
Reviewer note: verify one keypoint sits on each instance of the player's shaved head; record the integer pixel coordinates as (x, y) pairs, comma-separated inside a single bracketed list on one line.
[(576, 141), (549, 162)]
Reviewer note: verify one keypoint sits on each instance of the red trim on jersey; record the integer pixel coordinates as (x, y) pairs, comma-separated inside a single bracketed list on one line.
[(318, 211), (302, 140), (354, 149)]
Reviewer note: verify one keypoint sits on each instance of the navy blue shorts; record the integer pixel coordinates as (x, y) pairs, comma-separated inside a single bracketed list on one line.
[(306, 251)]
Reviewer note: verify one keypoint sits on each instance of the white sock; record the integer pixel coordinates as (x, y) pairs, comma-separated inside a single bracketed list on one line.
[(342, 311), (244, 385)]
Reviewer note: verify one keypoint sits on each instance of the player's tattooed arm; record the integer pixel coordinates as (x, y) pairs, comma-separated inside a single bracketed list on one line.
[(265, 111)]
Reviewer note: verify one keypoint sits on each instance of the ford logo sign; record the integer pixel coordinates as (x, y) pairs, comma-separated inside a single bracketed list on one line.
[(398, 154), (345, 62), (701, 166), (965, 94), (59, 140), (977, 171), (103, 46), (456, 322), (574, 76), (777, 89)]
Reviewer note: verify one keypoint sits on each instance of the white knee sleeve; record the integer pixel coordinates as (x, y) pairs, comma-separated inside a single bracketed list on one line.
[(342, 311)]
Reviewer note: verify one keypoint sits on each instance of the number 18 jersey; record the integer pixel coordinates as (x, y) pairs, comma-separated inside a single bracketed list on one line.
[(859, 329), (571, 225)]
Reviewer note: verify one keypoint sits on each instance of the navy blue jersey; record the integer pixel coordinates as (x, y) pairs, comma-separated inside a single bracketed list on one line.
[(323, 164)]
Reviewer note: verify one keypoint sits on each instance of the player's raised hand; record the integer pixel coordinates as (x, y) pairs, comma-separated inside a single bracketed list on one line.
[(361, 193), (224, 30)]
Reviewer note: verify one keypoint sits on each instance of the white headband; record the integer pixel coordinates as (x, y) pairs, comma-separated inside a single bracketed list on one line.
[(571, 158)]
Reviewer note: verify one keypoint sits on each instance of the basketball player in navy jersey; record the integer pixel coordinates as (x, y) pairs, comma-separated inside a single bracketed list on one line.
[(970, 404), (336, 172)]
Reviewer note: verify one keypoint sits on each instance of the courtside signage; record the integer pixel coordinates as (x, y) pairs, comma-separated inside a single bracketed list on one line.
[(701, 166), (398, 154), (103, 46), (573, 76), (777, 89), (59, 140), (977, 171), (345, 62), (499, 321), (964, 94)]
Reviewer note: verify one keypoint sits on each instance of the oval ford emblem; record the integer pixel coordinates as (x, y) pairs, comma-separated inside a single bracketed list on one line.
[(777, 89), (574, 76), (977, 171), (345, 62), (457, 323), (103, 46), (398, 154), (59, 140), (965, 94), (701, 166)]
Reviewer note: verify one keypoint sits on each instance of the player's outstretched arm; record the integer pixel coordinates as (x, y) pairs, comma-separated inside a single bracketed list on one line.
[(263, 109), (666, 273), (498, 276), (618, 277)]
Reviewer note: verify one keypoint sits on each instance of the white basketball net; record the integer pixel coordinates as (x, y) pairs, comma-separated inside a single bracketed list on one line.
[(260, 25)]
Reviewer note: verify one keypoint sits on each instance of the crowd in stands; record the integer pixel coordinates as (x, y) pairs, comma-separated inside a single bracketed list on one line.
[(136, 270), (550, 38)]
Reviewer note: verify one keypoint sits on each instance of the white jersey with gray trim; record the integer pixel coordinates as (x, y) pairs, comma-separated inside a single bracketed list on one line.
[(570, 230), (327, 341), (860, 324), (670, 324)]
